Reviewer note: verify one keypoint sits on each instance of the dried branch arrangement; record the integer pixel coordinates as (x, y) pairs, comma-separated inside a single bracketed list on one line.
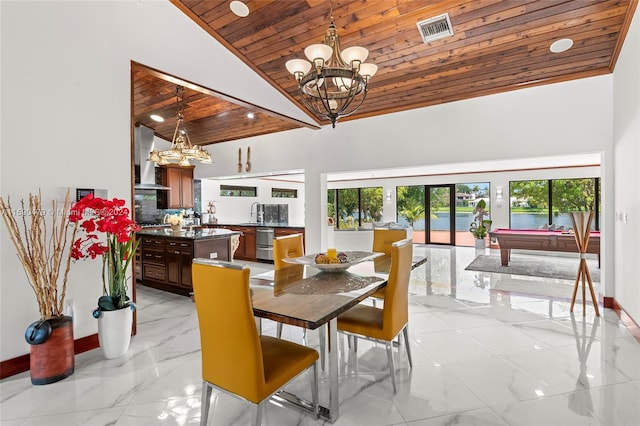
[(40, 245)]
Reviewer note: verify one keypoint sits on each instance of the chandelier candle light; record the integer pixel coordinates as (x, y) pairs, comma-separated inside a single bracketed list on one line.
[(181, 150), (334, 83)]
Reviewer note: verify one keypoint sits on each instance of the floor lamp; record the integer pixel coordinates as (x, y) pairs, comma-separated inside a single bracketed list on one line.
[(582, 230)]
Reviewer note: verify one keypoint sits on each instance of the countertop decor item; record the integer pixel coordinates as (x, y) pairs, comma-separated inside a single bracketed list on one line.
[(175, 221), (352, 258), (41, 236), (111, 219)]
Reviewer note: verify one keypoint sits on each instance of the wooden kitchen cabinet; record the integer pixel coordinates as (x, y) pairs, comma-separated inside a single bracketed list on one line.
[(153, 260), (247, 243), (179, 256), (247, 247), (166, 261), (180, 181), (281, 232)]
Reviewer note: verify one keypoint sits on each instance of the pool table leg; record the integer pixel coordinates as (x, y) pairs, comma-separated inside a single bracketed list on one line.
[(505, 254)]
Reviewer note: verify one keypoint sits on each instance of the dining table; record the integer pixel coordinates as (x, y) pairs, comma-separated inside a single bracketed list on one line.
[(305, 296)]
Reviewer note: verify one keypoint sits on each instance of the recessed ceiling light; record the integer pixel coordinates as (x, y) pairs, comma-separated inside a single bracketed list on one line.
[(250, 115), (561, 45), (239, 8), (156, 117)]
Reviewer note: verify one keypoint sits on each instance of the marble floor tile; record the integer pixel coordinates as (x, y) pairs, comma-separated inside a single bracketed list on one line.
[(556, 410), (482, 355)]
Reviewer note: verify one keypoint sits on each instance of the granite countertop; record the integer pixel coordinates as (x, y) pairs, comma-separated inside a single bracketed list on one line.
[(257, 225), (195, 233)]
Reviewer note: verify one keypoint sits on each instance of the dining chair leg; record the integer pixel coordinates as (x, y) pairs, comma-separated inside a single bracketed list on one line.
[(258, 324), (257, 414), (279, 330), (391, 365), (314, 391), (405, 333), (205, 403), (322, 336)]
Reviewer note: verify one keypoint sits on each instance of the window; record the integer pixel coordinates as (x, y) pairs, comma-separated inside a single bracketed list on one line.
[(353, 207), (467, 197), (529, 204), (410, 206), (284, 193), (541, 203), (570, 195), (238, 191)]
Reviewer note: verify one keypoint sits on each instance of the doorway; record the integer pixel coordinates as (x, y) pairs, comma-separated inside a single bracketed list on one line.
[(440, 205), (430, 211)]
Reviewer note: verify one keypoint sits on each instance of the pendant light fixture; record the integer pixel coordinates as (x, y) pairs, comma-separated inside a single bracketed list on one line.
[(181, 150), (333, 83)]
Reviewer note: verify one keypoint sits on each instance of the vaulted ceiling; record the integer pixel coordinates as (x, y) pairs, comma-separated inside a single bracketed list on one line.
[(497, 46)]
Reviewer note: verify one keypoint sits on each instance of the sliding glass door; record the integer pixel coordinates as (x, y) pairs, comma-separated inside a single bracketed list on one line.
[(430, 211), (441, 207)]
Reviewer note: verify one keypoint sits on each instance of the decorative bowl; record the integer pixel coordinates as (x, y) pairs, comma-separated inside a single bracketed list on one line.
[(353, 258)]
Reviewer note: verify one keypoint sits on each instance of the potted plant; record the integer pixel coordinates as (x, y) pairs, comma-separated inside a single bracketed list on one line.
[(40, 237), (480, 226), (115, 310)]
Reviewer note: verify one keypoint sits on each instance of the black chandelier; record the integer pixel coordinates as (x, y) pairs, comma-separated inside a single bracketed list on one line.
[(334, 83)]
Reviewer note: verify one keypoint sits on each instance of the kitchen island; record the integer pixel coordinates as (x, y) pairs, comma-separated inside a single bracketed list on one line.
[(166, 255)]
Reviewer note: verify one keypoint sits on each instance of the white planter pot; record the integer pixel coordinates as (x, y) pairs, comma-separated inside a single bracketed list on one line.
[(114, 332), (481, 243)]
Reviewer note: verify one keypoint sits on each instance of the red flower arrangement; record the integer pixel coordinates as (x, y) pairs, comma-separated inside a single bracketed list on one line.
[(110, 217)]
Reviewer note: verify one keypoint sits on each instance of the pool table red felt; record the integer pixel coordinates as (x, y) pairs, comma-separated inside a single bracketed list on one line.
[(540, 239)]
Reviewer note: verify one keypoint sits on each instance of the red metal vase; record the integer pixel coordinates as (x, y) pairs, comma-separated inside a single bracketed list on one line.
[(54, 359)]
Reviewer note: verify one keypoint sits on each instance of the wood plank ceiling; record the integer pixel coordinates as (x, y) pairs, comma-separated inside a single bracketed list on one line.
[(210, 117), (497, 46)]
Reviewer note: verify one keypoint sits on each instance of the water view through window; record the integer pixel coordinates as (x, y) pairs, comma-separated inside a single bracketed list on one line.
[(538, 204), (442, 202)]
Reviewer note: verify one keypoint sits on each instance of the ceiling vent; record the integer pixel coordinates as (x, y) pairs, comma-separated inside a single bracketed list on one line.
[(435, 28)]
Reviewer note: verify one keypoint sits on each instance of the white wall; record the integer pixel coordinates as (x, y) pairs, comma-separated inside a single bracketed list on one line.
[(626, 138), (65, 116), (66, 113), (231, 210), (525, 123)]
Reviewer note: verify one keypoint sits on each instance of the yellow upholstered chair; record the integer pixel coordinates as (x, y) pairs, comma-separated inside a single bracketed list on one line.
[(285, 247), (385, 324), (235, 358), (382, 240)]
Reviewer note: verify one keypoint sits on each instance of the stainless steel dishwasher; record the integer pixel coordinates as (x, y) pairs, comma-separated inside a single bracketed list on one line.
[(264, 243)]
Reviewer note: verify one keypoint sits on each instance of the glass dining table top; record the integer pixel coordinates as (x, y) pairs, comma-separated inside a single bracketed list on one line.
[(307, 297)]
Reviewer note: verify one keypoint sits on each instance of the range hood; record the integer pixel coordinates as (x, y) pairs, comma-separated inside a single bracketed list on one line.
[(145, 170)]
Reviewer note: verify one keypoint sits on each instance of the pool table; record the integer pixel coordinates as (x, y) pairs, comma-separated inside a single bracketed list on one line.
[(540, 239)]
